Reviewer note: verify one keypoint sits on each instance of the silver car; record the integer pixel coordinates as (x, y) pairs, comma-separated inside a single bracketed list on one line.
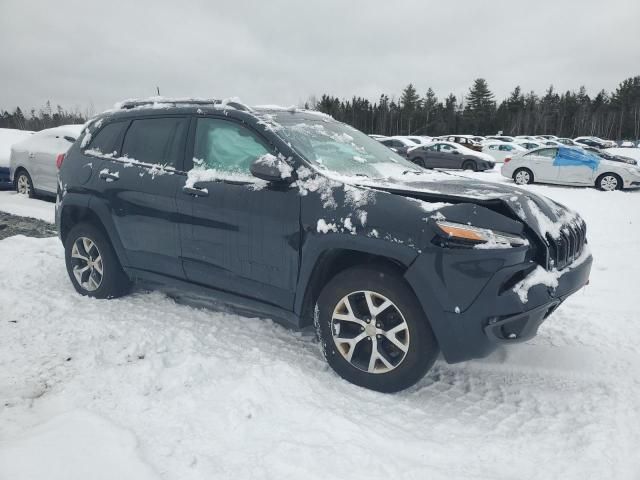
[(32, 162), (570, 166)]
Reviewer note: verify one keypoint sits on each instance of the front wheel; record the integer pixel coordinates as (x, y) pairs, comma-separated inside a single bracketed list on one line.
[(523, 176), (470, 165), (373, 331), (609, 182), (92, 264)]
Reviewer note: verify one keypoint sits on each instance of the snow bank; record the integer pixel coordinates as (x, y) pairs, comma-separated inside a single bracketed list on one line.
[(77, 445)]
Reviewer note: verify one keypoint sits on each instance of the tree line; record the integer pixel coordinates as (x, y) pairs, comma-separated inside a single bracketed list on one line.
[(613, 115), (45, 117)]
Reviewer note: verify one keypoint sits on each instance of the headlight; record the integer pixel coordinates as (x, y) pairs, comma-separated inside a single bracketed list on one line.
[(480, 237)]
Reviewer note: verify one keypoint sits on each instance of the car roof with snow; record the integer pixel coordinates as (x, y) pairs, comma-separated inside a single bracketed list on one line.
[(157, 105)]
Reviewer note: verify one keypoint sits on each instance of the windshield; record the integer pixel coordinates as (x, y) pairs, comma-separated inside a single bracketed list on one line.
[(334, 146)]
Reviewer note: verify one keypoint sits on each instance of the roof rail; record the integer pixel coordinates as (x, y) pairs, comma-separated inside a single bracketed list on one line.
[(135, 103)]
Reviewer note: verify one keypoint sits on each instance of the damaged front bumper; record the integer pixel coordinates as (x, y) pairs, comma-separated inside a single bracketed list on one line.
[(472, 304)]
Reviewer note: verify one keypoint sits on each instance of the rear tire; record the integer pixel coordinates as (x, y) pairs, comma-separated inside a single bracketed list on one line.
[(384, 348), (92, 264), (23, 183), (419, 161), (523, 176), (470, 165), (609, 182)]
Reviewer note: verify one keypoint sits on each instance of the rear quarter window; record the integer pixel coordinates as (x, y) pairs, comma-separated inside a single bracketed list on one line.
[(107, 140)]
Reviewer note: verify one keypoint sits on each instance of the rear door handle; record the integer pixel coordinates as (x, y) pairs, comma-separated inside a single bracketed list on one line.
[(109, 177), (196, 192)]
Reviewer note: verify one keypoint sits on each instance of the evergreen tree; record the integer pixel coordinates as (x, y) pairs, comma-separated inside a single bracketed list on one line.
[(480, 109)]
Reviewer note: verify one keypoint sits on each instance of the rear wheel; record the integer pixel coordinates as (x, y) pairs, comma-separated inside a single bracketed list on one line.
[(373, 331), (470, 165), (92, 264), (523, 176), (23, 183), (609, 182), (418, 161)]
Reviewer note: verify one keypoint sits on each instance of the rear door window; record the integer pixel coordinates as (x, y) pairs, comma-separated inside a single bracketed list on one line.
[(156, 140)]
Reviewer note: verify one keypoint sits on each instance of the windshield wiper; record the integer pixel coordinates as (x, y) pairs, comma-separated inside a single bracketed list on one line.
[(417, 172)]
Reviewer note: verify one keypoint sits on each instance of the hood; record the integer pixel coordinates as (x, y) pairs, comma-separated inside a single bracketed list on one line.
[(539, 213)]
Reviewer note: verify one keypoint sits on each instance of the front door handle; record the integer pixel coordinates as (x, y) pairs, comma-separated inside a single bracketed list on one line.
[(108, 176), (196, 192)]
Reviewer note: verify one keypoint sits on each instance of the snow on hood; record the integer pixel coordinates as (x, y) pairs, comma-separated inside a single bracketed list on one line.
[(542, 215)]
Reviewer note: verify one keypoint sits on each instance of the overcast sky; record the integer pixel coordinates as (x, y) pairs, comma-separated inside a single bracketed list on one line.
[(82, 53)]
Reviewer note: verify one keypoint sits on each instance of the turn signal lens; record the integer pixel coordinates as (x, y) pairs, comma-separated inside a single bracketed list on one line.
[(460, 232), (481, 237)]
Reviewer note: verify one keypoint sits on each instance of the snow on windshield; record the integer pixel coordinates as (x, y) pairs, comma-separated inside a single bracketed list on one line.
[(334, 147)]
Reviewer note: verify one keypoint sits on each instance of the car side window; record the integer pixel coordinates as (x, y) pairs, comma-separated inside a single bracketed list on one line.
[(506, 148), (155, 140), (227, 146), (107, 140), (493, 147), (446, 148), (547, 152)]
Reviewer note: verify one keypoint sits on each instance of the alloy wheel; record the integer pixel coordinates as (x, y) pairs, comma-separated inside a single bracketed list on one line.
[(87, 265), (370, 332), (609, 183), (23, 184), (522, 177)]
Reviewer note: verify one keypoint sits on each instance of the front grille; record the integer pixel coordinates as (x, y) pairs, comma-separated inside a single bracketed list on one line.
[(568, 246)]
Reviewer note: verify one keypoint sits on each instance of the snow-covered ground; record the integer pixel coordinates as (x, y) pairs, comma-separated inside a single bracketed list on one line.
[(142, 387), (16, 204)]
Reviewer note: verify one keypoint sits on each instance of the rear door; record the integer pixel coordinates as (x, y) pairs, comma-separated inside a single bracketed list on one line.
[(139, 185), (240, 234)]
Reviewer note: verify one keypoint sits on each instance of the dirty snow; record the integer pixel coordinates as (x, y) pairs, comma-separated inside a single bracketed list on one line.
[(186, 393)]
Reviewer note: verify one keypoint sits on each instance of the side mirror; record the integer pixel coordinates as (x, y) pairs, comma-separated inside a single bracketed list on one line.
[(271, 168), (456, 152)]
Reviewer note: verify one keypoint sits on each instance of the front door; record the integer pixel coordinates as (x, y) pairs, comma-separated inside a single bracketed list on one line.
[(238, 234)]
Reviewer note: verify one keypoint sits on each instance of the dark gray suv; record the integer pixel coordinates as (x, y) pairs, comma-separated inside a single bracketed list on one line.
[(293, 216)]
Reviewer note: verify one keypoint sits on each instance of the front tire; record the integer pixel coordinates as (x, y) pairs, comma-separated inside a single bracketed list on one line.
[(523, 176), (470, 165), (24, 184), (373, 330), (609, 182), (92, 264)]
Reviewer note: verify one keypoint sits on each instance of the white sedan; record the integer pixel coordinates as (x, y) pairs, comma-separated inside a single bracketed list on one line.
[(501, 150), (570, 166), (33, 160)]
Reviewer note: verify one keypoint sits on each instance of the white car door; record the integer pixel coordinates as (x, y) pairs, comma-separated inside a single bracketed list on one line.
[(542, 164)]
